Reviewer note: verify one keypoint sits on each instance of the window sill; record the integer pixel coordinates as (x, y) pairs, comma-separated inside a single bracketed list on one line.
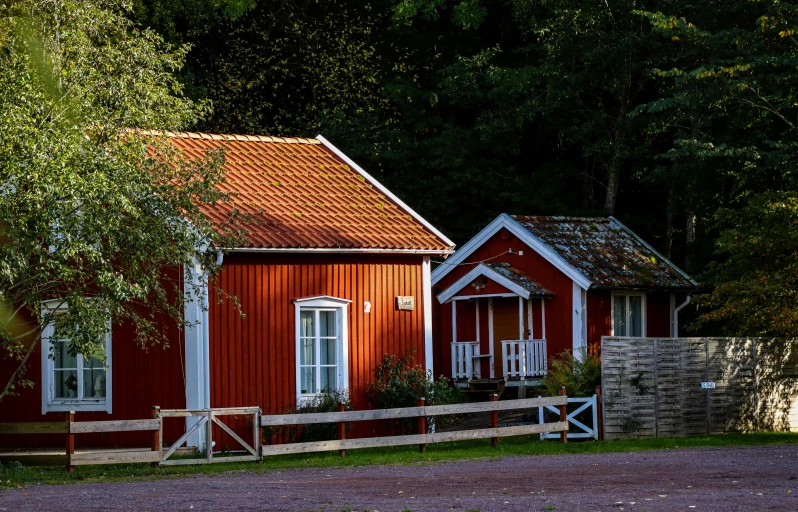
[(77, 406)]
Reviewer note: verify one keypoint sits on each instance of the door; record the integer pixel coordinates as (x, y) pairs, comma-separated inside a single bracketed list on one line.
[(505, 327)]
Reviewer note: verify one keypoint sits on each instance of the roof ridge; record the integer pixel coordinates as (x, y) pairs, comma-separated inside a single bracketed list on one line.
[(217, 136), (565, 218)]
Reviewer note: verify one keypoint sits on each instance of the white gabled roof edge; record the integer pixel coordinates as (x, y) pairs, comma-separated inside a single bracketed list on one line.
[(481, 270), (533, 242), (387, 192), (329, 298), (656, 253)]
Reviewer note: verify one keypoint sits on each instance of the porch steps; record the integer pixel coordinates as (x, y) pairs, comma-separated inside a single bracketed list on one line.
[(481, 389)]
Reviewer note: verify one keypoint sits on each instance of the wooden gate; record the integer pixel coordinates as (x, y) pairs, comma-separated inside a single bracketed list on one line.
[(584, 431), (208, 418)]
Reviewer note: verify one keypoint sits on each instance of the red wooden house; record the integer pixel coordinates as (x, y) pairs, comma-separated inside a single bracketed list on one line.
[(525, 289), (330, 256)]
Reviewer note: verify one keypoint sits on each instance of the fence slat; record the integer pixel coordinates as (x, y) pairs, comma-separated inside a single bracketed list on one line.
[(408, 412), (438, 437), (34, 428), (88, 427), (114, 457)]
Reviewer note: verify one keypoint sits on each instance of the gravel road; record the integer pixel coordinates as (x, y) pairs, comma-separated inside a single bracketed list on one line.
[(726, 480)]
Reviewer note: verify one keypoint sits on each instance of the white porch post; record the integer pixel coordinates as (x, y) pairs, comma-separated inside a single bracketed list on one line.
[(520, 318), (454, 321), (490, 338), (426, 284)]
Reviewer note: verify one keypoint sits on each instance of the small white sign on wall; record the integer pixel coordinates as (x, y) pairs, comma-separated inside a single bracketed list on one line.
[(707, 385), (405, 303)]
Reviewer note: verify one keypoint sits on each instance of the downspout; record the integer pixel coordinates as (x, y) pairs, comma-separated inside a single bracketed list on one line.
[(676, 315)]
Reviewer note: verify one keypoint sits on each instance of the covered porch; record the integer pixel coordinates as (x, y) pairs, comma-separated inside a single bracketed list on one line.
[(498, 326)]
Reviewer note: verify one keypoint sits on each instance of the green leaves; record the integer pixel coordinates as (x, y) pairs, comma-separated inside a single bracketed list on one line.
[(94, 215)]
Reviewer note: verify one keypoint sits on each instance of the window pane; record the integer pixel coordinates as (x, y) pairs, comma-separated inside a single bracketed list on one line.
[(307, 380), (328, 378), (635, 316), (619, 313), (328, 351), (62, 359), (327, 321), (307, 354), (94, 379), (66, 384), (306, 323)]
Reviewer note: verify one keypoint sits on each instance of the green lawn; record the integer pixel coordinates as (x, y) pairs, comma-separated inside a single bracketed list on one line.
[(13, 476)]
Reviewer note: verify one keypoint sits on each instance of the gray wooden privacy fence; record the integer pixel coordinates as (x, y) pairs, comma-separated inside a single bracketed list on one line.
[(668, 387)]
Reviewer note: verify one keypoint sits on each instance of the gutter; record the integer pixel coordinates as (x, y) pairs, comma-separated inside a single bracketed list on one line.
[(324, 250)]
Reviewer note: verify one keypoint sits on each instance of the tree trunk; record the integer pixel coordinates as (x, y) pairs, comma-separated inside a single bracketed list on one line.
[(669, 222), (689, 241)]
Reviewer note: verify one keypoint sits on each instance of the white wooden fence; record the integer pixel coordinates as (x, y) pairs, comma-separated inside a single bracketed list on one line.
[(585, 431), (524, 358)]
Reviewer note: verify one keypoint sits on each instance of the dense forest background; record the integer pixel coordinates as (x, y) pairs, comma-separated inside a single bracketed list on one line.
[(677, 117)]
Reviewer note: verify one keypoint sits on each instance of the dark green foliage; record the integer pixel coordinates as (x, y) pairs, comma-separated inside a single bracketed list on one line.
[(670, 115), (579, 375), (400, 383)]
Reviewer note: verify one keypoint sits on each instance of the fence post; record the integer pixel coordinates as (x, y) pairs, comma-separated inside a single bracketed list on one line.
[(257, 433), (70, 441), (494, 421), (564, 417), (599, 415), (422, 425), (156, 434), (341, 428)]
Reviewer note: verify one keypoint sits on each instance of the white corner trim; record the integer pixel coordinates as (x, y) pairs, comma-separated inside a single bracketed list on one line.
[(656, 253), (481, 270), (384, 190), (533, 242), (426, 291)]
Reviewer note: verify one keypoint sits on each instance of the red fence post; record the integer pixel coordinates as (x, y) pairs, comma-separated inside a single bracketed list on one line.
[(341, 429), (494, 421), (70, 441), (564, 416), (599, 419), (422, 425), (156, 434)]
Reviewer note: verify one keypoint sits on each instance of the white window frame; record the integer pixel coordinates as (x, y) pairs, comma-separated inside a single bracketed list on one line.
[(341, 308), (643, 306), (49, 402)]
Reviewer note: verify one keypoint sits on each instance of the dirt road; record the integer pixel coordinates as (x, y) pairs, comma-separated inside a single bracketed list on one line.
[(725, 480)]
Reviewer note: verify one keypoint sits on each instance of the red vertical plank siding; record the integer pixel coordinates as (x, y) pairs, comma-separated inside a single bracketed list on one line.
[(141, 378), (599, 317), (264, 340), (658, 315), (558, 309)]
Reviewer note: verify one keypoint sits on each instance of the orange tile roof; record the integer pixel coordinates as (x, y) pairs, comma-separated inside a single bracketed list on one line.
[(301, 195)]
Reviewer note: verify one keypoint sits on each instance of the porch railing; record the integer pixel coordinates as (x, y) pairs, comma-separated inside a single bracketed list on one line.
[(524, 358), (465, 360)]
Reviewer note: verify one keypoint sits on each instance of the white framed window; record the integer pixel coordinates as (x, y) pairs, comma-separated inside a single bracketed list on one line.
[(322, 348), (629, 314), (73, 382)]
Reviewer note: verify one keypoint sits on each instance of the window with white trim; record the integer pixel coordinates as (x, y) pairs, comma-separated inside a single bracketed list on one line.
[(321, 345), (73, 382), (629, 314)]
